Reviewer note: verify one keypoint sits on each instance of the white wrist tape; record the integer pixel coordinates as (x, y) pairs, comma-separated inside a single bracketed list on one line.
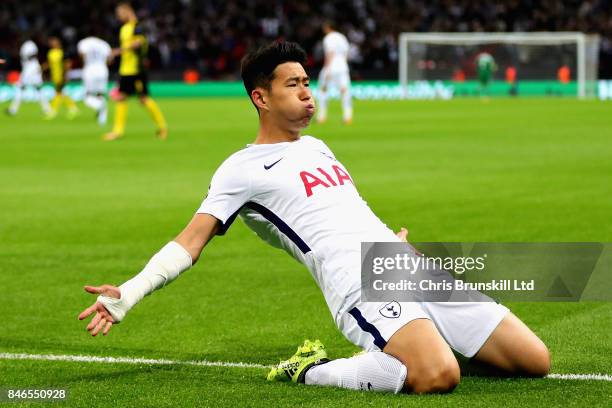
[(163, 268)]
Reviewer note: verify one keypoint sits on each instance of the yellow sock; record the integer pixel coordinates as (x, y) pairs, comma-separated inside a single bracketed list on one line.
[(55, 102), (155, 113), (120, 117), (69, 102)]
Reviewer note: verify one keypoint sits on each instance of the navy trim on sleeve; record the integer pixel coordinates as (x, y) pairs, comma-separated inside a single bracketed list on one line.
[(280, 224), (271, 217), (224, 226)]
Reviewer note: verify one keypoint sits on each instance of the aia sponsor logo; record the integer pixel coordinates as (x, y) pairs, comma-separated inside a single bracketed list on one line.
[(320, 178)]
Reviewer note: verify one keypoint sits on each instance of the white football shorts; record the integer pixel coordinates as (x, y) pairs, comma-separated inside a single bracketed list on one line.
[(30, 76), (334, 79), (465, 326), (95, 80)]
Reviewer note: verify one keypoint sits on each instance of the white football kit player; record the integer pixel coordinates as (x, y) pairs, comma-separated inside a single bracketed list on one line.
[(30, 76), (335, 74), (95, 53), (298, 197)]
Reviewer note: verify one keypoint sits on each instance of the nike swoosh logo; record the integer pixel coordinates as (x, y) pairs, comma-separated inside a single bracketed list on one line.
[(269, 166)]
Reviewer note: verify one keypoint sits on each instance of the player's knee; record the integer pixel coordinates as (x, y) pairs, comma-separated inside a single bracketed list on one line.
[(440, 379), (538, 364)]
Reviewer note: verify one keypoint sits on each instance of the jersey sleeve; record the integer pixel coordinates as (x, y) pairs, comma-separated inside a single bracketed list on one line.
[(139, 34), (324, 148), (107, 49), (81, 47), (327, 44), (229, 190)]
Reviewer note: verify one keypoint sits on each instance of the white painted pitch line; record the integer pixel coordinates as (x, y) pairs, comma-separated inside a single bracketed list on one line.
[(124, 360), (206, 363), (592, 377)]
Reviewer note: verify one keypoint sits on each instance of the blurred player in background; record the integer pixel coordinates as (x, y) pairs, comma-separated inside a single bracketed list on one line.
[(31, 76), (132, 74), (95, 54), (57, 66), (335, 73), (485, 67)]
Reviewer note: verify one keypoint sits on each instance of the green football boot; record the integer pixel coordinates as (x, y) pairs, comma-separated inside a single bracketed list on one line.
[(309, 354)]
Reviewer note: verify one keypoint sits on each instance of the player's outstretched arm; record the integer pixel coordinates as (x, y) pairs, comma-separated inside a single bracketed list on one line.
[(200, 230), (178, 255)]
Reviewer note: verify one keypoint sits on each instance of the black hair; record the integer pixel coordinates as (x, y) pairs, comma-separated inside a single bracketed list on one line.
[(330, 23), (257, 67)]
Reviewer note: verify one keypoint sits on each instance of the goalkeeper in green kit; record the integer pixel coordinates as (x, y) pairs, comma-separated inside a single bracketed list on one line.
[(485, 67)]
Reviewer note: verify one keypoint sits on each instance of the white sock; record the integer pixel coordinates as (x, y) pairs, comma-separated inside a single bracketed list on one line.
[(347, 105), (97, 103), (373, 371), (14, 107), (93, 102), (44, 103), (322, 108), (103, 111)]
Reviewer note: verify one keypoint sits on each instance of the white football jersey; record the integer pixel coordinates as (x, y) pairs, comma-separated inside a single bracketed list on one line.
[(298, 197), (337, 45), (29, 59), (94, 50)]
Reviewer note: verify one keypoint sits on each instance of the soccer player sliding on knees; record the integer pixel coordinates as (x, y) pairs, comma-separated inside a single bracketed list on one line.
[(294, 193)]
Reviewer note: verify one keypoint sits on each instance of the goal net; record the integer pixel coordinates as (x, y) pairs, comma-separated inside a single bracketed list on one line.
[(535, 63)]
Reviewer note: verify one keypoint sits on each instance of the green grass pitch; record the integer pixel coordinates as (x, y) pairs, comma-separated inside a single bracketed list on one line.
[(75, 211)]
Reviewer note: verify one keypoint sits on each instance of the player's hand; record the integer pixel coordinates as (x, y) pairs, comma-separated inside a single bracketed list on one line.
[(102, 321), (403, 236)]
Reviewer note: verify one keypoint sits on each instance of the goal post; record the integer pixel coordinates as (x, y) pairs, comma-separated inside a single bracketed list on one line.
[(538, 56)]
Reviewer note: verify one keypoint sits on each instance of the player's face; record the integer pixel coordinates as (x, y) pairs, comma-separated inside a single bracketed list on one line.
[(290, 100), (122, 13)]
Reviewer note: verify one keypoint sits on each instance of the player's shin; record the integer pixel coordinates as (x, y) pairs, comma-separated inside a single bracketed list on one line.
[(44, 103), (155, 113), (347, 106), (164, 267), (373, 371), (120, 117), (14, 107), (56, 101), (69, 102), (94, 102), (103, 111), (322, 106)]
